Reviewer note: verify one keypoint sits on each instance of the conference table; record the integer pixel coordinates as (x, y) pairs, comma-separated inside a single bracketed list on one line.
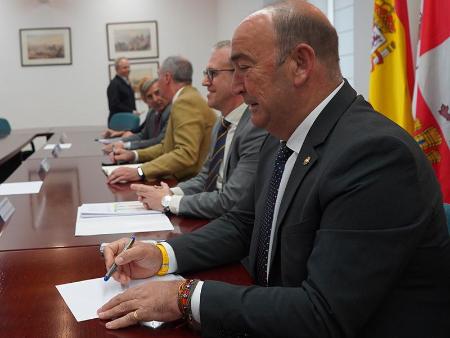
[(38, 248), (11, 146)]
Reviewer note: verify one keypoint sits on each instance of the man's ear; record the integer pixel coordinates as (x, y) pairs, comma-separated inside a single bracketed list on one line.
[(167, 77), (302, 62)]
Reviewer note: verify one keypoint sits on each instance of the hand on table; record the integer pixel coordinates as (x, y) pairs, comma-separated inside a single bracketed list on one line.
[(151, 196), (108, 148), (123, 175), (121, 155), (150, 301)]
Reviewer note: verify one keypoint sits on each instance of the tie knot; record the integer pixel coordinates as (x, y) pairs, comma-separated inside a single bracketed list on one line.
[(284, 151), (225, 123)]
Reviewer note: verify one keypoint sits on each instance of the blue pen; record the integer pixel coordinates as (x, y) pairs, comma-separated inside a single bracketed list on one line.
[(114, 266)]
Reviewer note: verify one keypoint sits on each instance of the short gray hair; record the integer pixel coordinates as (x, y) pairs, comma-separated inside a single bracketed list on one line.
[(222, 44), (179, 67), (117, 61), (146, 84), (293, 26)]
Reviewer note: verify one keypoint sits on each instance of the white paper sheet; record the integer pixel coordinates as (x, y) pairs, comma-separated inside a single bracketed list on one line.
[(108, 140), (107, 170), (128, 208), (84, 298), (121, 224), (50, 146), (20, 188)]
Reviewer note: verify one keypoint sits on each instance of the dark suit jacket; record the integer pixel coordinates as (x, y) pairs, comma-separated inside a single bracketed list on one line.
[(149, 133), (120, 97), (239, 171), (361, 247)]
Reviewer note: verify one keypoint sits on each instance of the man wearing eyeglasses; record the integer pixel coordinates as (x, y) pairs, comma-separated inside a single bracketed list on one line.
[(185, 146), (233, 156)]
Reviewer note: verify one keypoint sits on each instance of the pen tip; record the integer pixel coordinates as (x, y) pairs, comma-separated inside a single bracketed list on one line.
[(106, 278)]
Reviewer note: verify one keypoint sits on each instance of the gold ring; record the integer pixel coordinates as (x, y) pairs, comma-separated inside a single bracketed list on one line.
[(135, 315)]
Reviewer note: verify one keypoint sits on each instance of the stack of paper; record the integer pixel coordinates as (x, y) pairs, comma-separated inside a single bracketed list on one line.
[(107, 170), (132, 208), (119, 217)]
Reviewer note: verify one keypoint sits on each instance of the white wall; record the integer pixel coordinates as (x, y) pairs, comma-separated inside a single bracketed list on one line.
[(76, 94), (231, 12)]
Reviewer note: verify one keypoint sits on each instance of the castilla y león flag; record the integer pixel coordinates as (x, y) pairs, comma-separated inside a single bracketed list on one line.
[(392, 75), (432, 89)]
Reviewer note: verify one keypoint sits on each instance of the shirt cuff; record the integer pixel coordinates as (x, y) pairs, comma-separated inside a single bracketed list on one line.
[(127, 145), (173, 265), (174, 204), (177, 191), (195, 302), (136, 156)]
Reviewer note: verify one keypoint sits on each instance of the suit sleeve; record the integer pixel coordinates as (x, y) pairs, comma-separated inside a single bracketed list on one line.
[(188, 127), (216, 203), (361, 248)]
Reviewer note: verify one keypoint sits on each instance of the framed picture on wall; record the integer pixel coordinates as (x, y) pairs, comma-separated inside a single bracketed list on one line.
[(138, 70), (133, 40), (45, 46)]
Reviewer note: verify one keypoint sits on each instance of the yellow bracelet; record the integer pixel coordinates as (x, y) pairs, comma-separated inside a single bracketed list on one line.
[(165, 260)]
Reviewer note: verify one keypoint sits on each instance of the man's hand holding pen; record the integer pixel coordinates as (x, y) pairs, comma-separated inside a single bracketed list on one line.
[(120, 155), (150, 301)]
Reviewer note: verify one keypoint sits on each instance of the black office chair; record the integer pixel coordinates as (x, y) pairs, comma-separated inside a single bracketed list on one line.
[(447, 213)]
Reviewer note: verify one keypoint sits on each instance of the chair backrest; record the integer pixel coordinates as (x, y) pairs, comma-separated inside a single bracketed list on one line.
[(124, 121), (447, 213), (5, 127)]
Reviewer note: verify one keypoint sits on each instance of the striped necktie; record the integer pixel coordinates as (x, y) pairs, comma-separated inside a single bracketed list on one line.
[(217, 156), (262, 253)]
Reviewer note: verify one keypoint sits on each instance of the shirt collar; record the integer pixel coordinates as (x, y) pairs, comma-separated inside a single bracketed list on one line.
[(235, 115), (175, 97), (124, 78), (295, 141)]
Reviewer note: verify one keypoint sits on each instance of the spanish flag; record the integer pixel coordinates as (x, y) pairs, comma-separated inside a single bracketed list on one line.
[(392, 77), (432, 90)]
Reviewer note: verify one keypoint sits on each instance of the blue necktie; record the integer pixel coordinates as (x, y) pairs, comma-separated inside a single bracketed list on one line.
[(262, 251), (217, 156)]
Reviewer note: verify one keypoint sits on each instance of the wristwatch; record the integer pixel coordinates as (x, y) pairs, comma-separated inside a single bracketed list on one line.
[(141, 173), (165, 201)]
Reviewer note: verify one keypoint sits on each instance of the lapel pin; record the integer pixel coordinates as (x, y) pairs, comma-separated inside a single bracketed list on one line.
[(307, 160)]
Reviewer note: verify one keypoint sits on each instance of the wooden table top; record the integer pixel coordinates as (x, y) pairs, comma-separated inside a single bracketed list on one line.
[(47, 219), (38, 249), (83, 143), (11, 144), (31, 306)]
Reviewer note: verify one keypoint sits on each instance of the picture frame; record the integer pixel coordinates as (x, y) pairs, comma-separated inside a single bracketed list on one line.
[(138, 70), (45, 46), (133, 40)]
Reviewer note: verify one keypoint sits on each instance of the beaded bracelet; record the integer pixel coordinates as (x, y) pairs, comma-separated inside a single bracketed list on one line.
[(185, 291)]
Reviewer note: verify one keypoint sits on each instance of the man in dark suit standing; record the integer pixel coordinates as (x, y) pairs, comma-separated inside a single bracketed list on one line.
[(344, 230), (120, 93)]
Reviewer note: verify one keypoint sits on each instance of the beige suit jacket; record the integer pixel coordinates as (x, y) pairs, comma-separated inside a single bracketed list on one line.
[(186, 143)]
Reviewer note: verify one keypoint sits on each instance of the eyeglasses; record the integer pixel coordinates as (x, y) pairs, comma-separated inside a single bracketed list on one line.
[(211, 73)]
